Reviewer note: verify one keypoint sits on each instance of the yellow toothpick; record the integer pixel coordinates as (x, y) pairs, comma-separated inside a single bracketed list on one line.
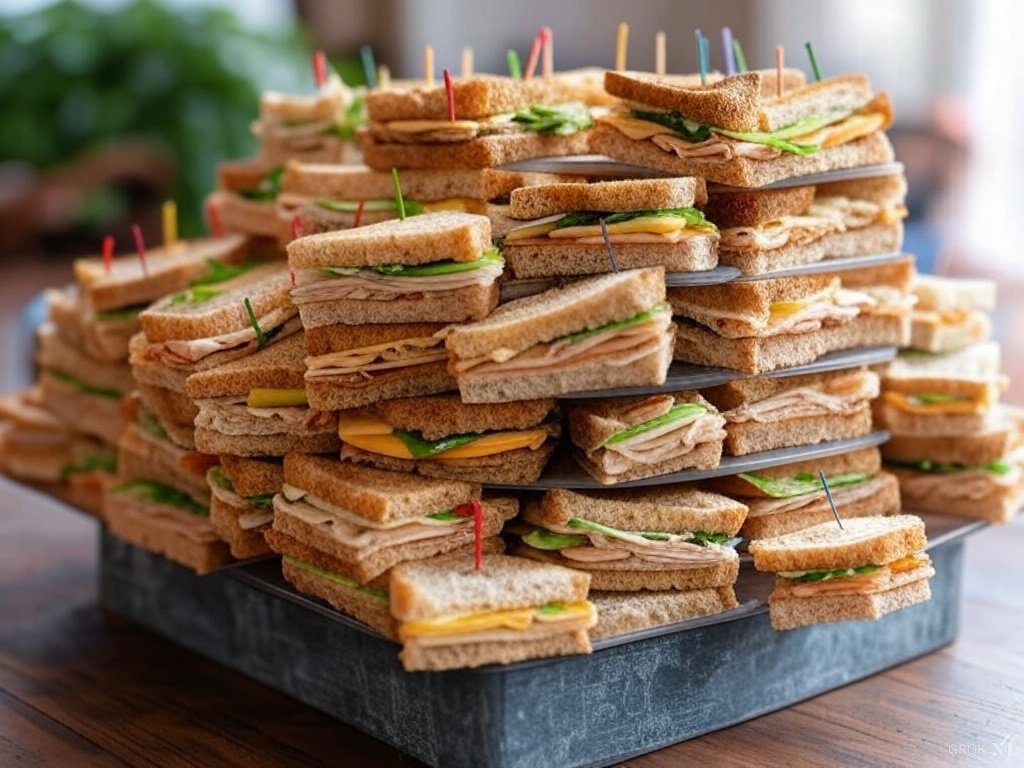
[(659, 54), (170, 211), (383, 76), (621, 42), (428, 64), (467, 62)]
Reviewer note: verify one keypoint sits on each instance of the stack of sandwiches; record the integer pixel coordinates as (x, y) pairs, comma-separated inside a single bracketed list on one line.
[(672, 544), (954, 447)]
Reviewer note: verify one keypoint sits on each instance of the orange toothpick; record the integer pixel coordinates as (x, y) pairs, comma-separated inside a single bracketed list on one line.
[(780, 58)]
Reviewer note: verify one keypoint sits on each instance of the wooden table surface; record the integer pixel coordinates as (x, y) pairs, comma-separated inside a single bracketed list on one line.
[(79, 687)]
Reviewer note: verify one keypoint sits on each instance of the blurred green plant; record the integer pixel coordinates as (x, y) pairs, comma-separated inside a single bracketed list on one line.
[(75, 77)]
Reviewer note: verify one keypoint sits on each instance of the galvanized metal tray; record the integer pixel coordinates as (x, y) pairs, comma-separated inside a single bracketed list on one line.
[(634, 694), (682, 376), (564, 472)]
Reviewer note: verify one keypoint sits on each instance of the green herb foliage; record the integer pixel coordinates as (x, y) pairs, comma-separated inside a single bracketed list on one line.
[(380, 595), (120, 315), (267, 190), (157, 493), (997, 467), (88, 389), (150, 423), (488, 257), (801, 484), (562, 120), (839, 573), (540, 538), (694, 218), (424, 449), (91, 463), (412, 207)]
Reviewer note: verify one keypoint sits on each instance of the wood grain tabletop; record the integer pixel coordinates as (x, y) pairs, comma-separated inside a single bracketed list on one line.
[(80, 687)]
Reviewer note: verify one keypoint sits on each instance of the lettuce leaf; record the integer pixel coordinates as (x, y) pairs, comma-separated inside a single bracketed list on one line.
[(674, 414), (157, 493), (839, 573), (95, 462), (487, 258), (424, 449), (149, 423), (353, 119), (639, 319), (219, 272), (539, 538), (120, 315), (221, 480), (803, 483), (552, 609), (688, 129), (694, 218), (933, 398), (562, 120), (267, 190), (81, 386), (997, 467), (412, 207), (703, 538), (379, 595)]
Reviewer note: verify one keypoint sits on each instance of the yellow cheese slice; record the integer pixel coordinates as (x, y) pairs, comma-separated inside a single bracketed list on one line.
[(529, 230), (654, 224), (519, 618), (783, 308), (904, 403), (425, 126), (463, 204), (276, 398), (853, 127), (375, 436), (908, 563)]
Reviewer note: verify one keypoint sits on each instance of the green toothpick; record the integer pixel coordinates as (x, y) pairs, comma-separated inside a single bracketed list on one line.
[(261, 337), (399, 202), (814, 60), (741, 60), (515, 68)]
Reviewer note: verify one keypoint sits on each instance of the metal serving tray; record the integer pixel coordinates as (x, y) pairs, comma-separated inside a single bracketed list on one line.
[(682, 376), (564, 472), (636, 693)]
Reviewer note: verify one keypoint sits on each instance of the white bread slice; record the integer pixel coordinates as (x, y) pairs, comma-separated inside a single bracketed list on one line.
[(794, 612), (619, 613), (861, 541), (975, 363), (942, 332), (873, 149), (695, 253), (583, 304), (415, 240), (430, 589), (607, 196), (939, 294)]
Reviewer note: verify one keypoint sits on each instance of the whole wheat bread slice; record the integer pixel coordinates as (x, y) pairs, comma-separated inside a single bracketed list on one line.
[(748, 437), (482, 152), (243, 543), (866, 460), (748, 208), (329, 394), (280, 365), (620, 613), (694, 253), (946, 495), (469, 304), (792, 612), (972, 450), (519, 467), (607, 196)]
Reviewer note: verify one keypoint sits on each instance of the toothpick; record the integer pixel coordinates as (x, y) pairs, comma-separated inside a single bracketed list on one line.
[(531, 62), (296, 227), (659, 54), (621, 44), (108, 253), (170, 217), (476, 509), (369, 66), (261, 337), (741, 60), (608, 246), (383, 76), (449, 93), (547, 37), (320, 69), (467, 62), (140, 248), (515, 68), (700, 58), (428, 65), (831, 501), (399, 202), (780, 57), (814, 60), (359, 214), (730, 55), (213, 218)]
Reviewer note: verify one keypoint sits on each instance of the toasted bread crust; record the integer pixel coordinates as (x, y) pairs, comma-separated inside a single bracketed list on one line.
[(351, 602), (432, 378), (242, 543), (280, 365), (520, 467), (457, 306), (972, 450), (621, 613), (748, 208), (483, 152), (696, 253), (439, 416), (471, 655), (753, 437), (252, 476), (791, 613), (607, 196), (342, 337)]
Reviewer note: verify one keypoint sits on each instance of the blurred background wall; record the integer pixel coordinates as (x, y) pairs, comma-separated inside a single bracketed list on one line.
[(111, 106)]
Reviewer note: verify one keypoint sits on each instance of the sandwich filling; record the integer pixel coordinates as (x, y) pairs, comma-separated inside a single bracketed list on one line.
[(832, 306), (867, 579), (511, 625), (846, 489), (619, 343), (357, 367), (560, 120), (586, 541), (390, 208), (388, 282), (928, 403), (666, 225), (85, 388), (376, 594), (958, 481), (674, 429), (151, 492), (254, 511), (278, 322), (375, 435), (688, 139), (301, 124), (263, 412), (826, 216), (357, 532), (266, 189), (837, 396)]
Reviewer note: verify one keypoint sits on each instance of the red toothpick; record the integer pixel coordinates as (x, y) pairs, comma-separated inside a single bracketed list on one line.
[(450, 93), (359, 214), (547, 39), (291, 273), (296, 227), (140, 248), (531, 63), (108, 253), (213, 219), (780, 57), (476, 509), (320, 68)]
